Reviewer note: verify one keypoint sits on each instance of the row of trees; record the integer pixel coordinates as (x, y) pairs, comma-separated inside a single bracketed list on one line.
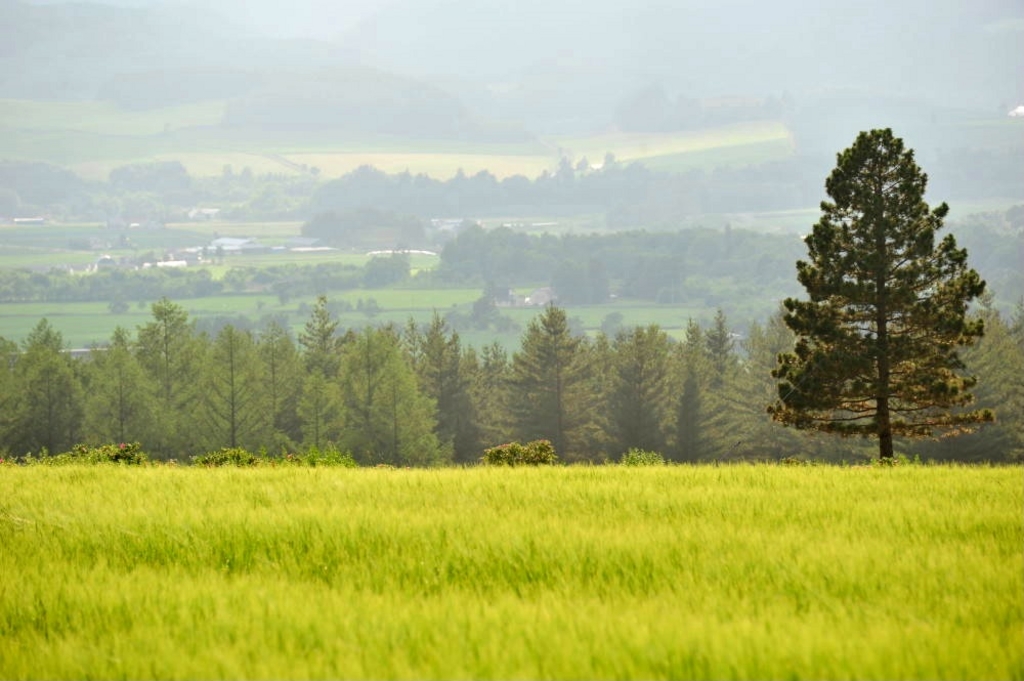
[(116, 283), (418, 396)]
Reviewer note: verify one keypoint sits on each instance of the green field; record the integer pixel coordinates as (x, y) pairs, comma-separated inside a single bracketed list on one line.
[(741, 572), (93, 138), (83, 324)]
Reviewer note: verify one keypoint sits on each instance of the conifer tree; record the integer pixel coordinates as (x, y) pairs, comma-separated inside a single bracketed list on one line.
[(47, 404), (640, 401), (548, 396), (8, 357), (440, 367), (119, 401), (234, 403), (694, 371), (877, 352), (720, 349), (320, 342), (489, 392), (170, 354), (282, 383), (319, 410), (386, 418)]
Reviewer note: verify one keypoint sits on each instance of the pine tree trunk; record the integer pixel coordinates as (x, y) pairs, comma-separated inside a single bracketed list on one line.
[(885, 451)]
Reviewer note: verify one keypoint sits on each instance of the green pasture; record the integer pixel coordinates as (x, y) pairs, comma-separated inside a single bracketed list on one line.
[(739, 572), (83, 324)]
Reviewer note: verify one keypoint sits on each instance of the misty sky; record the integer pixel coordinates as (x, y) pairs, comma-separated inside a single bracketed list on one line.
[(950, 51)]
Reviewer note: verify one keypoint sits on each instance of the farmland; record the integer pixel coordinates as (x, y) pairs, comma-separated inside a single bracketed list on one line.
[(93, 138), (85, 323), (610, 572)]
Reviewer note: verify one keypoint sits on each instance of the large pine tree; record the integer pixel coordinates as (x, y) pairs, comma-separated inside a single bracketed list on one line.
[(878, 339)]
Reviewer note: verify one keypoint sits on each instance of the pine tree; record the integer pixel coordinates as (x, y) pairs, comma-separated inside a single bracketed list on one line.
[(234, 402), (694, 371), (47, 404), (721, 346), (878, 338), (386, 419), (282, 383), (319, 411), (548, 396), (120, 404), (640, 402), (171, 354), (320, 342), (439, 363), (489, 393), (8, 357)]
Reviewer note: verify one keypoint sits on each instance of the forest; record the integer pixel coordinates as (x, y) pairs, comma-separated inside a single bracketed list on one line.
[(418, 396)]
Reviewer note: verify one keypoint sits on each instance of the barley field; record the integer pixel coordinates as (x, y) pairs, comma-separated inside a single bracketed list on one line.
[(745, 571)]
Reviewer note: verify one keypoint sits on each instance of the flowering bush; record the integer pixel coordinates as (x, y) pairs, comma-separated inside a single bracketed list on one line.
[(536, 453)]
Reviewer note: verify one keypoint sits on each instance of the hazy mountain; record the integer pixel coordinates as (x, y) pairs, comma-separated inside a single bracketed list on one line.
[(569, 55), (548, 65), (73, 50)]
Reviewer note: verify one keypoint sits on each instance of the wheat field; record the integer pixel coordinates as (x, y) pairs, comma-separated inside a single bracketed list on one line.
[(745, 571)]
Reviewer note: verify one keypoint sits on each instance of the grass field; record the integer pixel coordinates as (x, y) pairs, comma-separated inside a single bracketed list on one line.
[(741, 572), (83, 324), (93, 138)]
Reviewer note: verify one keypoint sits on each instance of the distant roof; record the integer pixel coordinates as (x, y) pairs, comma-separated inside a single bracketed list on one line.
[(230, 242)]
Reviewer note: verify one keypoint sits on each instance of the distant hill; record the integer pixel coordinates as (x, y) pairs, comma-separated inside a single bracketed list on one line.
[(565, 63), (942, 73), (150, 58)]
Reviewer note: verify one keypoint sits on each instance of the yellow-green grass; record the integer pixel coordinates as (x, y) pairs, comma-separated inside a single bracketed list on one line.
[(724, 156), (93, 138), (583, 572), (639, 146)]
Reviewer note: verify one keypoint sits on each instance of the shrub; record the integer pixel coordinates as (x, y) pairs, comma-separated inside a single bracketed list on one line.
[(328, 456), (226, 456), (536, 453), (124, 453), (641, 457)]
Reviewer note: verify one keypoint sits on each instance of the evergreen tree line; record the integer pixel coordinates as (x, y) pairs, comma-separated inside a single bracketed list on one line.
[(417, 396)]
